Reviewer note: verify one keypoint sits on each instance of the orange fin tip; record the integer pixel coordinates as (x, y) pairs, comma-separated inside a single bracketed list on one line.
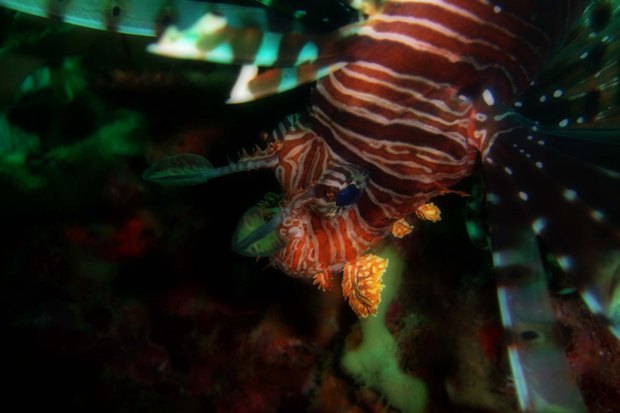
[(429, 212), (361, 284)]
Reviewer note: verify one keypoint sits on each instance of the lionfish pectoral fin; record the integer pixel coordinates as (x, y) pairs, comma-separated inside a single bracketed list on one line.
[(567, 183), (579, 85), (252, 85), (540, 370), (213, 38), (361, 284), (140, 18), (192, 169)]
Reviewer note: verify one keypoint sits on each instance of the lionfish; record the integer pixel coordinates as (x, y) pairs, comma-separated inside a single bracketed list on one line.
[(410, 98)]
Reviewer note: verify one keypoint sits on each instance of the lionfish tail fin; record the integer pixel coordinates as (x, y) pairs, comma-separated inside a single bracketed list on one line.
[(564, 184)]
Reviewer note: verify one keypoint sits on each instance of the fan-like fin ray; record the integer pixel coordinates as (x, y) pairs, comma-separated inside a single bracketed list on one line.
[(571, 203), (252, 85), (214, 39), (580, 86), (141, 18), (541, 374)]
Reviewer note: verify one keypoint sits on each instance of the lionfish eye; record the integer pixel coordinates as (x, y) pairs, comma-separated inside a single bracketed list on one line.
[(347, 196)]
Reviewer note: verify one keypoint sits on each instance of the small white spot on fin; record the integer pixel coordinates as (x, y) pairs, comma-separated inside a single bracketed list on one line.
[(488, 97), (570, 195), (539, 225), (597, 215), (565, 262), (493, 199)]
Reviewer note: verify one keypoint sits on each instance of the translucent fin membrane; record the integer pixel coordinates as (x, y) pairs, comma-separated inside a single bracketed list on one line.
[(366, 6), (539, 366), (571, 202), (301, 9), (191, 169), (581, 85)]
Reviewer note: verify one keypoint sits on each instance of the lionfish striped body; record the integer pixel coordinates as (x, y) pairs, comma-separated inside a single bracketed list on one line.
[(407, 103), (405, 112)]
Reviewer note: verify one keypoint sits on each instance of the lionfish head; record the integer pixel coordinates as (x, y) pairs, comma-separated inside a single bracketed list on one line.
[(315, 229)]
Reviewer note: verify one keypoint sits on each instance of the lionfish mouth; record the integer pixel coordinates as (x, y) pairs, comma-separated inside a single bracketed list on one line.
[(257, 232)]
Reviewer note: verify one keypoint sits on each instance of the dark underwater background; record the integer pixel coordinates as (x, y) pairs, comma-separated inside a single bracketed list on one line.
[(119, 295)]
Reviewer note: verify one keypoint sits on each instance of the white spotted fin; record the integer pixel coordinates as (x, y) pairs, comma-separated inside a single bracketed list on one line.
[(539, 192), (185, 169), (553, 190), (580, 86), (557, 188), (565, 185)]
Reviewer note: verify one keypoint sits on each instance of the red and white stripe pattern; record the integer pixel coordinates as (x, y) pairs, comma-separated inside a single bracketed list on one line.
[(405, 111), (316, 242)]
